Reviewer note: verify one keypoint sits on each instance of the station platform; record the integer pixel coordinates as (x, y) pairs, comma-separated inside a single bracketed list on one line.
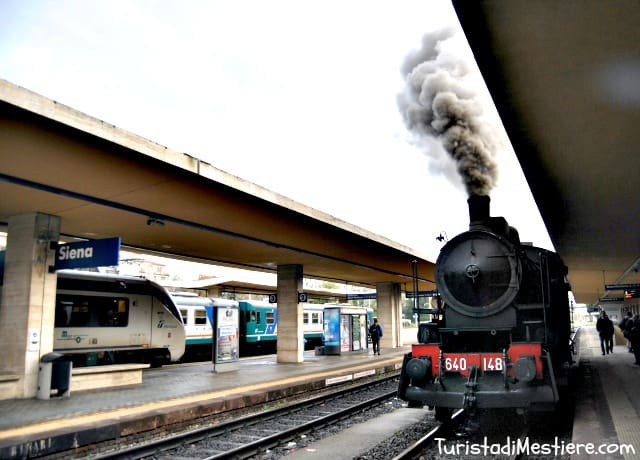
[(607, 400), (172, 395)]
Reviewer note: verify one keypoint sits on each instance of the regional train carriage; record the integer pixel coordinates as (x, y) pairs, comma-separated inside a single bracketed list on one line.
[(194, 315), (312, 325), (102, 319), (258, 326), (198, 328), (502, 336)]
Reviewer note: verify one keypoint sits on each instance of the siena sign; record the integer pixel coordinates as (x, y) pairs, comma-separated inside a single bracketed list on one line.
[(94, 253)]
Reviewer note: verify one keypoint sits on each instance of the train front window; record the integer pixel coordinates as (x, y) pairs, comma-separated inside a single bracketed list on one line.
[(91, 311)]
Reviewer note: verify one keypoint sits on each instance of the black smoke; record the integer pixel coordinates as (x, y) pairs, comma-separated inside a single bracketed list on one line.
[(438, 102)]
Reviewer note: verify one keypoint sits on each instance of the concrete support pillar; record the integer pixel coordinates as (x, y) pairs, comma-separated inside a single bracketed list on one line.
[(27, 308), (290, 329), (389, 314)]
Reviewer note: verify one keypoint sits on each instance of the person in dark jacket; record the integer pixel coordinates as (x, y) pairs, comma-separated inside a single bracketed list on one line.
[(633, 334), (375, 331), (604, 326), (625, 325)]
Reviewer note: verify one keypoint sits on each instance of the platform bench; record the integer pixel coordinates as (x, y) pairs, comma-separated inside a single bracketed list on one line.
[(114, 375)]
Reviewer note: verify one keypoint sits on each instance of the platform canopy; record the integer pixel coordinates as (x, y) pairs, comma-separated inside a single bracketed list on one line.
[(105, 182), (565, 77)]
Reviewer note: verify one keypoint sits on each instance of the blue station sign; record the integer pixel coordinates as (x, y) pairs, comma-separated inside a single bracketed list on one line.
[(85, 254)]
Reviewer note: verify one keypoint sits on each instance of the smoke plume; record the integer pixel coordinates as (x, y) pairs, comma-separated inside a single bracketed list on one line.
[(437, 103)]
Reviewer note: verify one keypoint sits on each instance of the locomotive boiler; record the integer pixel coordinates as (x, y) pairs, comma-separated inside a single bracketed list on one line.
[(501, 337)]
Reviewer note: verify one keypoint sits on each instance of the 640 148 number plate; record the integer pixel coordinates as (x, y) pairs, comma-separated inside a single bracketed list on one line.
[(462, 362)]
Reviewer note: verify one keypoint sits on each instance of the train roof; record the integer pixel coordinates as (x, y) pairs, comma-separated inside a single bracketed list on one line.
[(82, 274), (190, 298)]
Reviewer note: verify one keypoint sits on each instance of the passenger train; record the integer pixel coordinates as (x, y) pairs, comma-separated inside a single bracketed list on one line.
[(258, 324), (102, 319), (501, 338)]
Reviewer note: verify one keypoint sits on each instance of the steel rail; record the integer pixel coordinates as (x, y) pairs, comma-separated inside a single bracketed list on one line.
[(415, 449), (178, 440)]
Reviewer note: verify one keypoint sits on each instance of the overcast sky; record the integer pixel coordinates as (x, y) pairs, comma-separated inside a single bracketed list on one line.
[(297, 96)]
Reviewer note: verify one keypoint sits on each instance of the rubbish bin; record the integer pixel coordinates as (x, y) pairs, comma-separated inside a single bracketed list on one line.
[(54, 376)]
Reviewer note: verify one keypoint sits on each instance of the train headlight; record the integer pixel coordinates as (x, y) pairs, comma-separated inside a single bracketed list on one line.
[(524, 369), (417, 368)]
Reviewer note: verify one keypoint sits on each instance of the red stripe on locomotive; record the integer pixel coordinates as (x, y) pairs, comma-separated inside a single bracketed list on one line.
[(462, 362)]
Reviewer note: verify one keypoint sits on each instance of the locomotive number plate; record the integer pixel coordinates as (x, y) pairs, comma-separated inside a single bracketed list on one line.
[(464, 362)]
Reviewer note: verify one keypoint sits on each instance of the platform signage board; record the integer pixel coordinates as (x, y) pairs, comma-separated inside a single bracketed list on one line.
[(332, 330), (225, 323), (85, 254)]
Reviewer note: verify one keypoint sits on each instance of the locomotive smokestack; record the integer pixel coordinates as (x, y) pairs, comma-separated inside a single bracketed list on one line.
[(479, 209), (480, 218)]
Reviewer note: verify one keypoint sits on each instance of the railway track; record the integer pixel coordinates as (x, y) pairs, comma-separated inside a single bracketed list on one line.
[(452, 440), (415, 449), (253, 434)]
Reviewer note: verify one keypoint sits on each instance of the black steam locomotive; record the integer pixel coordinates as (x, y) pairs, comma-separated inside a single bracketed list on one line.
[(501, 336)]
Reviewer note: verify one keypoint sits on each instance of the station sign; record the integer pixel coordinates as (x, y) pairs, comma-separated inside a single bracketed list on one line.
[(412, 294), (610, 299), (364, 296), (302, 297), (85, 254), (621, 287)]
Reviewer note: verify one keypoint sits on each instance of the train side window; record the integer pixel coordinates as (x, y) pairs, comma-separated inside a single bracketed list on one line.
[(305, 318), (185, 315), (271, 318), (63, 313), (200, 317), (91, 311), (315, 318), (253, 316)]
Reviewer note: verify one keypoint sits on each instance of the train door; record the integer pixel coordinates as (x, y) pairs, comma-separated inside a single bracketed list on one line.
[(141, 307), (200, 325), (271, 323)]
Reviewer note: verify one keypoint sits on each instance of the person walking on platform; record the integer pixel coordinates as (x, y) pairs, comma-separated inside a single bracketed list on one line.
[(633, 334), (604, 326), (625, 325), (375, 331)]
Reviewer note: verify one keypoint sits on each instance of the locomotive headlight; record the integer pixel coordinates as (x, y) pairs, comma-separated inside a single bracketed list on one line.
[(524, 369), (417, 368)]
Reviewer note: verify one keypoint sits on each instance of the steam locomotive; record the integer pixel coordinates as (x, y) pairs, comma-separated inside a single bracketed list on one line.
[(501, 336)]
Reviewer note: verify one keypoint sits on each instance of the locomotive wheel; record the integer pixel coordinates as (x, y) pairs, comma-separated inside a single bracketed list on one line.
[(443, 414)]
